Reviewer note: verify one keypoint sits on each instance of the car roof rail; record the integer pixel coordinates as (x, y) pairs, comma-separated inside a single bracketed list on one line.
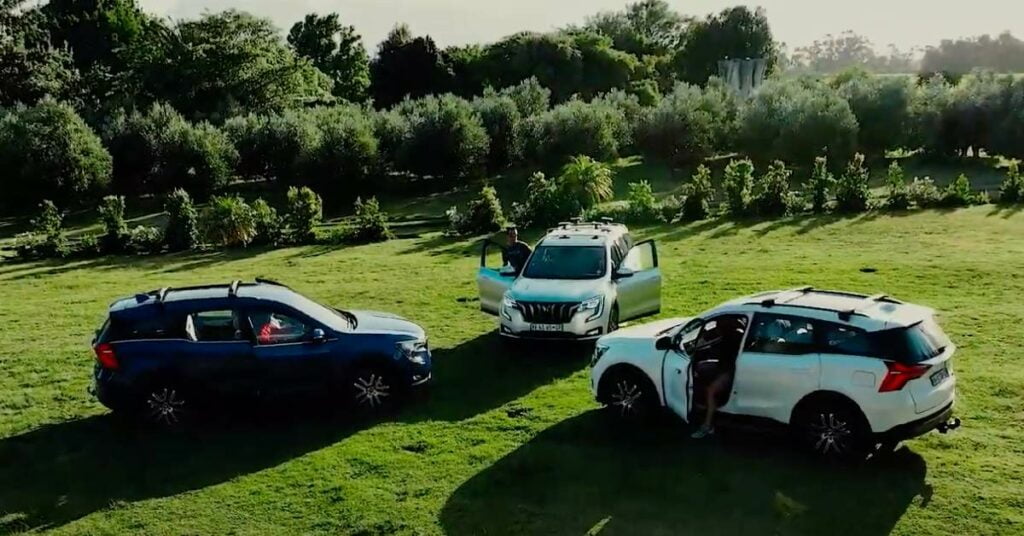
[(774, 299), (161, 294), (233, 289), (265, 281)]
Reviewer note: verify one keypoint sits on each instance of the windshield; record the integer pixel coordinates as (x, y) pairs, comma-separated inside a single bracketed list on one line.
[(567, 262), (332, 318)]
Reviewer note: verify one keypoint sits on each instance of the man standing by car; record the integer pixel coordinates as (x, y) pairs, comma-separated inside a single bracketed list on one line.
[(516, 252)]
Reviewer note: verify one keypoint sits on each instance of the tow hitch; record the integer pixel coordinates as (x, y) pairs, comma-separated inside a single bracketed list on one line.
[(949, 425)]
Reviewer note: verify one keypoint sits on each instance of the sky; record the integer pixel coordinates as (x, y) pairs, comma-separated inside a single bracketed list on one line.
[(905, 23)]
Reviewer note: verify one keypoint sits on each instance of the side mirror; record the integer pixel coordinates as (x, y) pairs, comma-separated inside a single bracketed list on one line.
[(664, 343), (319, 335), (507, 271), (622, 273)]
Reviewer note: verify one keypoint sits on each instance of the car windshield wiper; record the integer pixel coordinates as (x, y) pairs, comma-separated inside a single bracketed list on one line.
[(352, 320)]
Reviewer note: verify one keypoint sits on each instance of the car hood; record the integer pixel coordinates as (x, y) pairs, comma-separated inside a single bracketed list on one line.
[(648, 331), (381, 322), (557, 290)]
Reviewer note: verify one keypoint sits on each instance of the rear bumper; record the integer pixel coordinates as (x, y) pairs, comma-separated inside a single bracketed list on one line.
[(938, 420)]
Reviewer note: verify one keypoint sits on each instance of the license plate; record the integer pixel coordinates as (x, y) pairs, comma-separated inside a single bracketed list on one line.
[(546, 327), (940, 375)]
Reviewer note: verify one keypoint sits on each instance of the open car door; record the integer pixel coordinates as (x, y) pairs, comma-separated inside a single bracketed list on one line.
[(677, 372), (492, 279), (639, 282)]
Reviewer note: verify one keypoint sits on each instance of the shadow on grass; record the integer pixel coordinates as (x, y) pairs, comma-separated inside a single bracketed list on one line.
[(583, 477), (166, 263), (1006, 211), (60, 472)]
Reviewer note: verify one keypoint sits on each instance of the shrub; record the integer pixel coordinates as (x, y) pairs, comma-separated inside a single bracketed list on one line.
[(115, 236), (482, 215), (199, 158), (632, 112), (880, 104), (48, 152), (46, 239), (771, 196), (546, 203), (795, 119), (268, 223), (738, 183), (137, 143), (182, 221), (88, 245), (924, 193), (852, 188), (586, 182), (643, 206), (1012, 188), (697, 195), (274, 146), (677, 129), (391, 129), (959, 194), (576, 128), (228, 221), (671, 207), (346, 153), (820, 184), (304, 212), (503, 123), (898, 197), (143, 240), (370, 223), (446, 138), (530, 97)]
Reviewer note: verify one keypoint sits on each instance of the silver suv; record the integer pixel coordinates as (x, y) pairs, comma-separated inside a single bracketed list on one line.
[(580, 282)]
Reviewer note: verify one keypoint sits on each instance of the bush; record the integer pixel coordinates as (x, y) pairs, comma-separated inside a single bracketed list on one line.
[(576, 128), (88, 245), (546, 204), (503, 124), (391, 129), (530, 97), (137, 143), (585, 182), (446, 138), (115, 236), (795, 120), (697, 195), (482, 215), (182, 221), (738, 183), (304, 212), (346, 153), (199, 158), (880, 104), (820, 184), (228, 221), (370, 223), (1012, 189), (959, 194), (268, 223), (678, 130), (924, 193), (48, 152), (852, 188), (143, 240), (643, 206), (273, 146), (772, 197), (46, 239), (898, 197)]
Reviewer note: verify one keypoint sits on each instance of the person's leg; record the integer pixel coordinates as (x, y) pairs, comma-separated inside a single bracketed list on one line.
[(716, 385)]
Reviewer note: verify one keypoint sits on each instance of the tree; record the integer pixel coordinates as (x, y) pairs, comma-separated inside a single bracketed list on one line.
[(48, 152), (586, 181), (880, 104), (1004, 54), (849, 50), (648, 27), (407, 67), (734, 33), (227, 63), (30, 68), (446, 138), (335, 49)]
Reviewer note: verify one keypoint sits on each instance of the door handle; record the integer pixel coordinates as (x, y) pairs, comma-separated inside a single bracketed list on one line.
[(679, 371)]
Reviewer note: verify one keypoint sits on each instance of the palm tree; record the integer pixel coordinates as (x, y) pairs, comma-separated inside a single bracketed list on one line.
[(587, 181)]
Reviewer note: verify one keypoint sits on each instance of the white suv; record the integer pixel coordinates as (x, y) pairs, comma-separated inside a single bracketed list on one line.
[(846, 371), (580, 282)]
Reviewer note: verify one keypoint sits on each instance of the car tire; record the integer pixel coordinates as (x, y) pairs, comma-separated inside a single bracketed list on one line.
[(613, 319), (629, 395), (164, 405), (833, 430), (371, 390)]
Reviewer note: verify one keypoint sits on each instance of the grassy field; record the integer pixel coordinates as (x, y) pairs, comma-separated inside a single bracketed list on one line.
[(514, 444)]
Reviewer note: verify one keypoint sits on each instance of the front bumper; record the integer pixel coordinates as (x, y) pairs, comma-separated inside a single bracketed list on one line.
[(941, 420), (580, 327)]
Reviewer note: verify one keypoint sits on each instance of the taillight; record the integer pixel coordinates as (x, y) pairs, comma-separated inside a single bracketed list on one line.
[(899, 374), (105, 355)]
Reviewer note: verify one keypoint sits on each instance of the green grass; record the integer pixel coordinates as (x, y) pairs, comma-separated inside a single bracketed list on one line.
[(513, 444)]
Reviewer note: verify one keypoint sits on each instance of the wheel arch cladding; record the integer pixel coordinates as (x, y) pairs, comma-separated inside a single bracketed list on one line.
[(819, 398)]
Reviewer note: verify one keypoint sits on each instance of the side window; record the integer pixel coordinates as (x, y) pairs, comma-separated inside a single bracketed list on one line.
[(215, 326), (276, 328), (148, 328), (641, 257), (839, 339), (777, 334)]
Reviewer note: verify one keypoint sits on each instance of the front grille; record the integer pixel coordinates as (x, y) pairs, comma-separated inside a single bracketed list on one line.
[(548, 313)]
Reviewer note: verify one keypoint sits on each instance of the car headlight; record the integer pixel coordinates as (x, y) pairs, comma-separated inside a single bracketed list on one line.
[(593, 304), (415, 351), (599, 352), (509, 301)]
